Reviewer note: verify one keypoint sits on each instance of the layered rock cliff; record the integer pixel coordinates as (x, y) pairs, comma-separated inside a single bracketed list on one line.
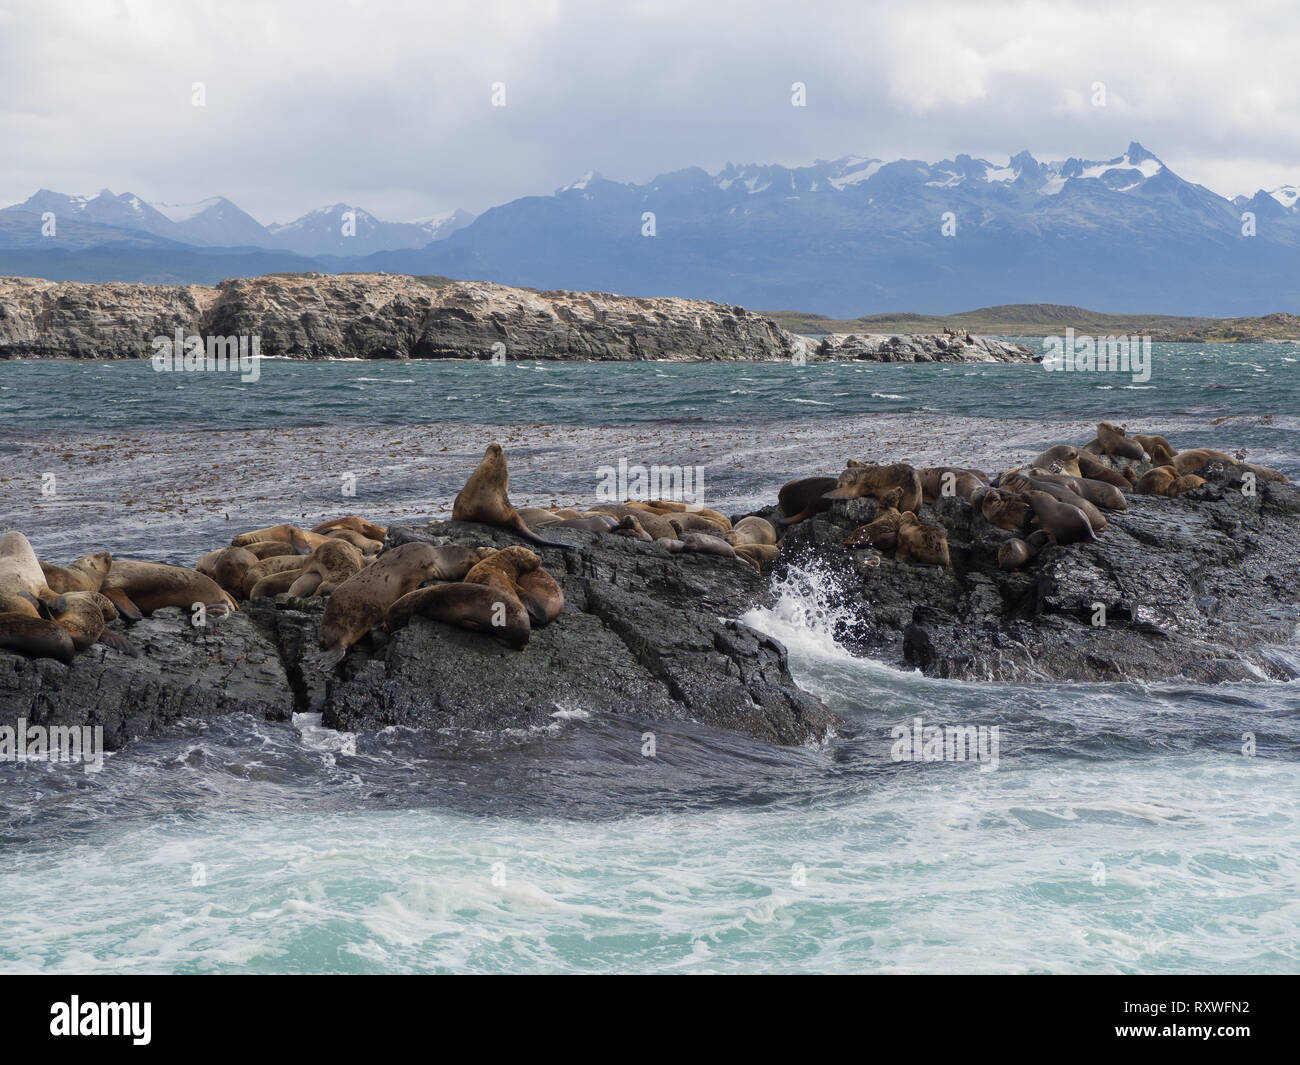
[(387, 316)]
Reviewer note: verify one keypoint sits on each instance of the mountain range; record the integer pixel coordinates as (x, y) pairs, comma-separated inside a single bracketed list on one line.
[(847, 237)]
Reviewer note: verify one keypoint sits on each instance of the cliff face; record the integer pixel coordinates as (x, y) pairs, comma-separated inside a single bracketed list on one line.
[(379, 316), (388, 316)]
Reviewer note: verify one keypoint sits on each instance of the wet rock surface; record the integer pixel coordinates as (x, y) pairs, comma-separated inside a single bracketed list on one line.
[(1204, 587), (642, 631)]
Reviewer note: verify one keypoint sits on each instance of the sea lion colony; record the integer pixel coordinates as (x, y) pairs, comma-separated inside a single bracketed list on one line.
[(52, 611)]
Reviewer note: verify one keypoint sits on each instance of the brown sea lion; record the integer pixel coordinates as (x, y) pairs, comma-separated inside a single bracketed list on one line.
[(1094, 469), (477, 607), (299, 539), (1157, 447), (332, 563), (268, 566), (1156, 482), (598, 523), (656, 525), (270, 549), (760, 556), (1114, 442), (751, 530), (1003, 508), (1016, 552), (368, 529), (274, 584), (927, 544), (1098, 493), (485, 499), (35, 637), (860, 480), (541, 595), (150, 586), (1019, 482), (228, 566), (364, 544), (690, 522), (85, 574), (631, 528), (1064, 522), (82, 618), (940, 481), (501, 569), (1062, 455), (363, 599), (540, 517), (706, 544), (882, 531), (802, 499)]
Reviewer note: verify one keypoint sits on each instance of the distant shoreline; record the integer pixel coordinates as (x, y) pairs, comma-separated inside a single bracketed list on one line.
[(1046, 319)]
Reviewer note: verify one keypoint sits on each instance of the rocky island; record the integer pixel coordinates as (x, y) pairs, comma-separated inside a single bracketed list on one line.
[(387, 316)]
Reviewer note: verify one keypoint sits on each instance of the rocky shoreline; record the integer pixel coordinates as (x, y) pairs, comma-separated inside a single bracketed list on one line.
[(384, 316)]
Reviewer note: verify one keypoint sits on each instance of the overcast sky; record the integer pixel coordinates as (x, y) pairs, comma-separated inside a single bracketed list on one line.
[(388, 106)]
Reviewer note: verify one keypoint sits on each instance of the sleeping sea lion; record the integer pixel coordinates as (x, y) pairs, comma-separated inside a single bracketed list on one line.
[(927, 544), (85, 574), (477, 607), (149, 586), (332, 563), (299, 539), (368, 529), (859, 480), (802, 499), (1064, 522), (751, 530)]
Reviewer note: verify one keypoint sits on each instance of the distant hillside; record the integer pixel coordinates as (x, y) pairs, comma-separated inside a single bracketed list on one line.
[(1047, 319)]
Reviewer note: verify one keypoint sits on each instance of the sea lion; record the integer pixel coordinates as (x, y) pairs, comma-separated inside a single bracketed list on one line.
[(150, 586), (501, 569), (1099, 493), (656, 525), (85, 574), (364, 544), (1094, 469), (1064, 522), (598, 523), (691, 522), (363, 599), (477, 607), (299, 539), (541, 595), (1019, 482), (368, 529), (859, 480), (751, 530), (264, 549), (1158, 448), (706, 544), (1114, 442), (1064, 455), (1003, 508), (802, 499), (760, 556), (631, 528), (1157, 481), (22, 582), (1016, 552), (927, 544), (882, 531), (268, 566), (82, 618), (485, 499), (35, 637), (227, 566), (539, 517), (666, 507), (329, 566), (1185, 483), (959, 481), (274, 584)]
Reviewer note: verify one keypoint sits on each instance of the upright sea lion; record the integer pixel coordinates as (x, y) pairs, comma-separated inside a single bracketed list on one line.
[(927, 544), (329, 566), (751, 530), (368, 529), (364, 598), (85, 574), (1114, 442), (150, 586), (22, 582), (485, 499), (861, 480), (35, 637), (471, 606), (1064, 522), (802, 499)]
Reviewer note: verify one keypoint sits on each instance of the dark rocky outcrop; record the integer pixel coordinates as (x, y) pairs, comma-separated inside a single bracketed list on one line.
[(642, 632), (1201, 587), (922, 347)]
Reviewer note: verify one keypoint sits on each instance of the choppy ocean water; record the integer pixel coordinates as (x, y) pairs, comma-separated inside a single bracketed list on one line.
[(1125, 828)]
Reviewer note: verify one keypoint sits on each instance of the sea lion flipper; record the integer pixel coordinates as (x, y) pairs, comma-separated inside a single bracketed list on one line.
[(123, 602), (528, 534), (327, 659), (118, 642)]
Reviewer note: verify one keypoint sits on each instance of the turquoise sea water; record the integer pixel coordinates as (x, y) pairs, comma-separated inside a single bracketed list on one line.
[(1125, 828)]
